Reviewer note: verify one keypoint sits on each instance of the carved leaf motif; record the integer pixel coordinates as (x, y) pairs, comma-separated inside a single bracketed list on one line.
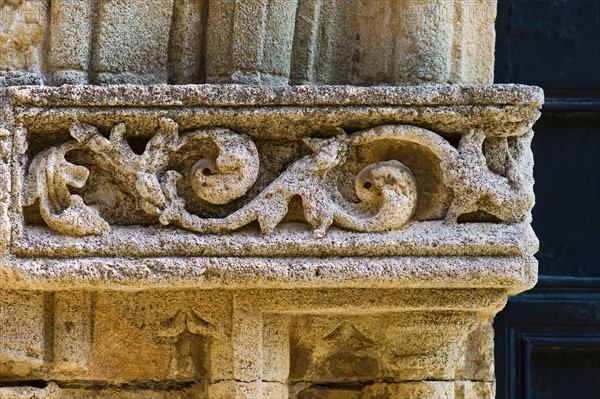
[(186, 320), (49, 180)]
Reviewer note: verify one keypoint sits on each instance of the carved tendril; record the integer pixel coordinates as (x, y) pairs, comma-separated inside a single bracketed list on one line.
[(387, 190)]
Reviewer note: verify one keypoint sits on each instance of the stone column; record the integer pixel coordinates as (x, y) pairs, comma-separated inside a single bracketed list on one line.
[(232, 58), (71, 40)]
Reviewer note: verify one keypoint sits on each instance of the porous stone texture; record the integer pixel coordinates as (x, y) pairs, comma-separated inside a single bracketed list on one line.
[(272, 42), (228, 241), (70, 40), (23, 25)]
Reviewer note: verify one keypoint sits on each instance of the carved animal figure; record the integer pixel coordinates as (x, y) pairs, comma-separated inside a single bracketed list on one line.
[(477, 188)]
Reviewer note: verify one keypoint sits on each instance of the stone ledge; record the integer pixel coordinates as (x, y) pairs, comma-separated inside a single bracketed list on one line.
[(231, 95), (513, 273), (427, 238)]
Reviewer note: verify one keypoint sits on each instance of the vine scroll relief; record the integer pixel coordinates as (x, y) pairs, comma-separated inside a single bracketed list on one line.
[(401, 174)]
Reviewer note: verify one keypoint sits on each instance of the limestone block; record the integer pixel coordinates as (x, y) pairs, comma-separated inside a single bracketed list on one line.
[(473, 41), (393, 42), (247, 332), (261, 345), (247, 390), (157, 336), (477, 354), (276, 348), (474, 389), (53, 391), (409, 390), (132, 41), (72, 23), (231, 57), (187, 45), (398, 347), (72, 339), (22, 29), (23, 343)]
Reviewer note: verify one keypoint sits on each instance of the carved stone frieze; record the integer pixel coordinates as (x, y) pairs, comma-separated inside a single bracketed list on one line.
[(401, 173), (244, 242), (387, 190), (168, 170)]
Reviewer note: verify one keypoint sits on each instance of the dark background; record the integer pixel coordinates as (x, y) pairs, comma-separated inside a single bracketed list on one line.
[(548, 339)]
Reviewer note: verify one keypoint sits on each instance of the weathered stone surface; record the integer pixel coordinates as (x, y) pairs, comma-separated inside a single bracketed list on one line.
[(187, 42), (477, 354), (272, 42), (23, 342), (132, 39), (71, 40), (228, 241), (474, 389), (263, 242), (333, 158), (53, 391), (231, 58), (474, 39), (73, 330), (248, 344), (408, 390), (23, 24), (395, 347)]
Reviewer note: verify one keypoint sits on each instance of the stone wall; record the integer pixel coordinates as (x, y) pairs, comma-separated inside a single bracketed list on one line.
[(357, 42), (286, 238)]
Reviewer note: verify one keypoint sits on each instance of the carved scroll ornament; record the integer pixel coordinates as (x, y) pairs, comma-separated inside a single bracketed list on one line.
[(388, 193)]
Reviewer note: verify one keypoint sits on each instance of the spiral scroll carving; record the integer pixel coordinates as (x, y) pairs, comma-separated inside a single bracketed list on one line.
[(388, 187), (402, 174), (231, 174)]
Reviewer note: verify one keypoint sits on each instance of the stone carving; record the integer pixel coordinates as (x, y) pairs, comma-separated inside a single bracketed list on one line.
[(387, 191), (307, 177), (182, 321), (49, 183), (4, 156), (51, 173), (507, 198), (104, 294), (187, 334)]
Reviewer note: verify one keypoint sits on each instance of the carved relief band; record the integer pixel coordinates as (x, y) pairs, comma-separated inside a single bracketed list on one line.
[(195, 168), (355, 240)]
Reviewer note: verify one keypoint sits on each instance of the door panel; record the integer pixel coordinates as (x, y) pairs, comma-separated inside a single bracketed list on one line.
[(548, 339)]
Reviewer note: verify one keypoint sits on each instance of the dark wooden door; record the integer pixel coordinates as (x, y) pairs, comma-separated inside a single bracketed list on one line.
[(548, 339)]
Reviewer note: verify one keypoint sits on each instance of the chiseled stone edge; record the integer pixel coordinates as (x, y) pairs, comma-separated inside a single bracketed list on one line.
[(6, 172), (516, 274), (427, 238), (240, 95)]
